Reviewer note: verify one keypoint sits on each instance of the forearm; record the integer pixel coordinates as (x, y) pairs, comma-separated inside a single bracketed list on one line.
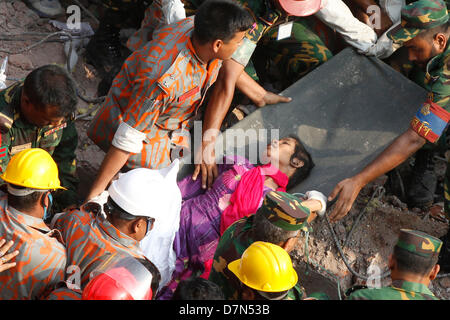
[(114, 160), (251, 89), (396, 153), (221, 96)]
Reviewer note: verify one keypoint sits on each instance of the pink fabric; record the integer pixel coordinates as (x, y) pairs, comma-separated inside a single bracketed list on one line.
[(247, 196)]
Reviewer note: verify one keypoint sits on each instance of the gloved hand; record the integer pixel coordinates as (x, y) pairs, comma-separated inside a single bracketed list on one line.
[(319, 196)]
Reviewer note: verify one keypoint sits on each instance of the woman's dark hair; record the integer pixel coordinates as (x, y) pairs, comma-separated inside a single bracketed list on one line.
[(300, 153), (51, 85), (220, 19)]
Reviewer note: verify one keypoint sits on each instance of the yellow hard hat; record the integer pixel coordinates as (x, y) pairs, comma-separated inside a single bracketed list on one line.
[(33, 168), (265, 267)]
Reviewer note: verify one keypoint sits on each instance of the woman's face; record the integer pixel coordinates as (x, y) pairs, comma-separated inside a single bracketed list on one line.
[(279, 152)]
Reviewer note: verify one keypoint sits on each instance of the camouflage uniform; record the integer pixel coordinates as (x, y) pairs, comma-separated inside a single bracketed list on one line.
[(284, 61), (281, 209), (157, 93), (432, 117), (418, 243), (90, 239), (16, 134), (41, 262)]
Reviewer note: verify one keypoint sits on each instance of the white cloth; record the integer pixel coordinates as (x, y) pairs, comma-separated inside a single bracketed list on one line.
[(128, 139), (319, 196), (158, 244), (337, 15), (173, 11)]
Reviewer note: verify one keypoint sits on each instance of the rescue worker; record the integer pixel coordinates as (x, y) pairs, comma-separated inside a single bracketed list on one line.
[(38, 113), (278, 221), (31, 177), (413, 266), (149, 108), (119, 277), (265, 272), (425, 32), (130, 211)]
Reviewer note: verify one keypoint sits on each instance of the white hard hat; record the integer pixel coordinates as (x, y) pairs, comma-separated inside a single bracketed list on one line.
[(145, 192)]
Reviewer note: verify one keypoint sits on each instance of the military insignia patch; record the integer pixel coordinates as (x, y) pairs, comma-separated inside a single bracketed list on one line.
[(62, 126), (3, 152)]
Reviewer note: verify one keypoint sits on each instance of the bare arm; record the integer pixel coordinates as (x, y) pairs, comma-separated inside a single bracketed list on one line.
[(216, 110), (397, 152), (256, 93), (114, 160)]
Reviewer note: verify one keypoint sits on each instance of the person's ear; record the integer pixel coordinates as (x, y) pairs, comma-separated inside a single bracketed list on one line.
[(137, 225), (440, 42), (217, 45), (434, 272), (391, 262), (297, 163), (45, 201)]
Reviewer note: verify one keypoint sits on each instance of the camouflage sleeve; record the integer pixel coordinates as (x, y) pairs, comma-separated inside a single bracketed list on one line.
[(431, 119), (64, 156)]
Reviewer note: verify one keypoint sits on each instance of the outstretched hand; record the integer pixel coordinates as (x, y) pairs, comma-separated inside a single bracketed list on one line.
[(347, 190), (273, 98)]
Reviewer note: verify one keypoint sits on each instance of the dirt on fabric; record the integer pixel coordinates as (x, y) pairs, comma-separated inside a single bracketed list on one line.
[(371, 241)]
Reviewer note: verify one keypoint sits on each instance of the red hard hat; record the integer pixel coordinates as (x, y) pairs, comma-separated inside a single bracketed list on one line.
[(115, 284), (300, 8)]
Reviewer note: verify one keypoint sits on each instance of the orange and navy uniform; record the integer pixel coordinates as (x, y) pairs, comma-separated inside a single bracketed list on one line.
[(64, 293), (41, 262), (91, 239), (157, 92)]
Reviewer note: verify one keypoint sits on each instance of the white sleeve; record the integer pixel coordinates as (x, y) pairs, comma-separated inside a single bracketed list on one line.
[(338, 16), (173, 11), (128, 139)]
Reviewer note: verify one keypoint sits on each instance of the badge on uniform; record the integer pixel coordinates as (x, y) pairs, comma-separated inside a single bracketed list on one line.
[(17, 149), (189, 94), (285, 30)]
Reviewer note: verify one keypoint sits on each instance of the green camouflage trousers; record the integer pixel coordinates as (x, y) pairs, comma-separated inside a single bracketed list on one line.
[(285, 61)]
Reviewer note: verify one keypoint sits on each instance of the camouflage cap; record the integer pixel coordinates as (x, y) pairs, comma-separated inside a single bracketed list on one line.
[(284, 210), (419, 243), (418, 16)]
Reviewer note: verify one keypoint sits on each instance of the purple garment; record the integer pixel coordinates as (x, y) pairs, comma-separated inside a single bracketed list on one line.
[(197, 238)]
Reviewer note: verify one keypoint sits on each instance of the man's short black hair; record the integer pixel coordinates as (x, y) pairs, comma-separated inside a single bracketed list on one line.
[(197, 289), (51, 85), (302, 154), (413, 263), (220, 19), (24, 203), (264, 230)]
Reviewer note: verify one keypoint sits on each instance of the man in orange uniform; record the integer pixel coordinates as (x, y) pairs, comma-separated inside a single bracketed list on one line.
[(31, 176), (92, 236), (161, 87)]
